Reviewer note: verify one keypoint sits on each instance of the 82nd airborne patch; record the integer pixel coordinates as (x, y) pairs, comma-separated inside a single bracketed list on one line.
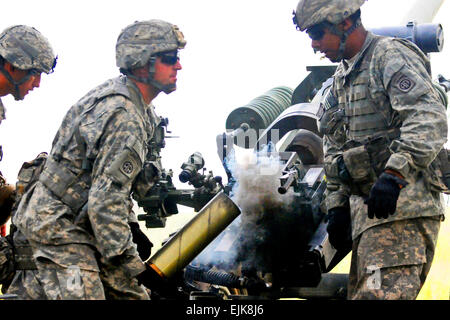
[(405, 84), (128, 167)]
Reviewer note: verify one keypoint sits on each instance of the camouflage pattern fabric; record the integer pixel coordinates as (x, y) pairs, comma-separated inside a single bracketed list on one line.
[(152, 170), (26, 48), (118, 285), (25, 283), (312, 12), (114, 123), (140, 40), (391, 261), (139, 43), (393, 82), (6, 262), (2, 111), (386, 91), (27, 286), (72, 283)]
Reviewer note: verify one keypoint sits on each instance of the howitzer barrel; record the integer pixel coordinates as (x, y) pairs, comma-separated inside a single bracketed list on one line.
[(429, 37), (187, 243), (261, 111)]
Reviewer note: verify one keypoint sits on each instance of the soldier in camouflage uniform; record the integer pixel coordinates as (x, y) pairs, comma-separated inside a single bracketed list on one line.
[(77, 216), (384, 125), (24, 54)]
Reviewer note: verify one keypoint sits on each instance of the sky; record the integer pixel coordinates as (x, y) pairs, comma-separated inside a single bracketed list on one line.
[(236, 51)]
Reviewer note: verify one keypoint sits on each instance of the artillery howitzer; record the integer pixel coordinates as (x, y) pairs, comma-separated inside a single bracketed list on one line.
[(292, 256), (297, 251)]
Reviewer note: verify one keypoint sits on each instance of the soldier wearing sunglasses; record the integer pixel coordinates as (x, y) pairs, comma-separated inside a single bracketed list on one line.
[(78, 219), (383, 124)]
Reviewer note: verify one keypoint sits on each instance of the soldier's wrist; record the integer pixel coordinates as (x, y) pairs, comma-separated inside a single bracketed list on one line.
[(133, 266), (395, 177), (400, 163), (394, 173)]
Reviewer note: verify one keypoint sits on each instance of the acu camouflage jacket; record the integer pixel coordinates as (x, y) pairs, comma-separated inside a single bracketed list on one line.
[(385, 93), (83, 193)]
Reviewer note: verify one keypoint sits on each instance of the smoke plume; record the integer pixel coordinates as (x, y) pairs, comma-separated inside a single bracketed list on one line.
[(247, 240)]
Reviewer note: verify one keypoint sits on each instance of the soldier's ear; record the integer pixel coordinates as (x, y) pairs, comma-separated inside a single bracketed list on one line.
[(141, 72), (346, 24), (9, 67)]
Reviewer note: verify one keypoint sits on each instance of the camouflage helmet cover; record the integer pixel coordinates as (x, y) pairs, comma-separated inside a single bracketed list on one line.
[(143, 39), (312, 12), (26, 48)]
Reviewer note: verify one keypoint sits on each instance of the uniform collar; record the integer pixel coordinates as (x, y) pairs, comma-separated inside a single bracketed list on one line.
[(347, 66), (136, 96), (147, 111)]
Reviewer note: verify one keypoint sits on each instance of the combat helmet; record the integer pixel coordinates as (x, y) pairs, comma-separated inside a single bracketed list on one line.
[(25, 48), (311, 13), (140, 42)]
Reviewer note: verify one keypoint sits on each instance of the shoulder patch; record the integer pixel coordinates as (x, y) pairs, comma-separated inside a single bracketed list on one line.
[(128, 163), (128, 166), (404, 84)]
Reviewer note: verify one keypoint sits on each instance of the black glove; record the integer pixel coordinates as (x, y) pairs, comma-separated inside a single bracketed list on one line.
[(383, 196), (144, 245), (340, 228)]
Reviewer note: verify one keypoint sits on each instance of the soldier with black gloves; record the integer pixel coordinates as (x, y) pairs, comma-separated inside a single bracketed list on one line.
[(384, 124)]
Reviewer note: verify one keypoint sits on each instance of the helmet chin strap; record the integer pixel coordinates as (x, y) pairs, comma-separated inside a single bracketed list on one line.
[(16, 84), (343, 35), (166, 88)]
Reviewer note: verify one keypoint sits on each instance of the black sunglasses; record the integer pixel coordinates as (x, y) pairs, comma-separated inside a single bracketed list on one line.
[(169, 58)]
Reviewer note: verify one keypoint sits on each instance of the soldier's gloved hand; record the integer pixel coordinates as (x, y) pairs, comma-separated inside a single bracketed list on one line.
[(144, 245), (340, 228), (384, 194)]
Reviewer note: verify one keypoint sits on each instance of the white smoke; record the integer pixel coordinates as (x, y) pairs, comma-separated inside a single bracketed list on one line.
[(257, 179)]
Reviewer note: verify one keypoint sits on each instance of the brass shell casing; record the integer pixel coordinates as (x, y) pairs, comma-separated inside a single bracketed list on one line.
[(187, 243)]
